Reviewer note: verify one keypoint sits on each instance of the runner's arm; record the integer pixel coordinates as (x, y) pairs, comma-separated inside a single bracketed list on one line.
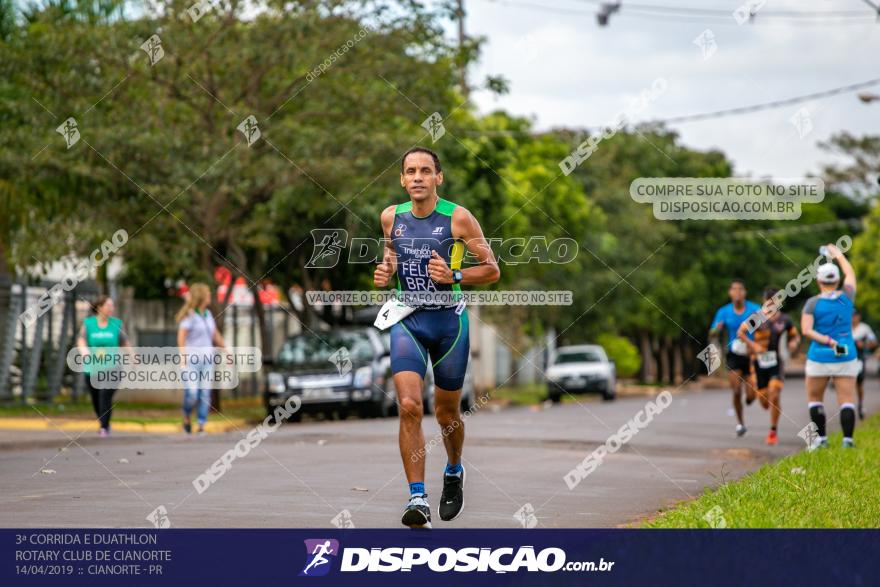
[(388, 266), (871, 339), (466, 228), (849, 274), (717, 325), (807, 321), (794, 338), (742, 333)]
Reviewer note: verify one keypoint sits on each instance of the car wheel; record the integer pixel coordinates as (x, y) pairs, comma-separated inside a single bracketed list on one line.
[(610, 392), (428, 402), (555, 395), (294, 417), (379, 409), (467, 402)]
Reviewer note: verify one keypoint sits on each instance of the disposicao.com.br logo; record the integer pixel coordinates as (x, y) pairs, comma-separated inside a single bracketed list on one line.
[(318, 551), (444, 559)]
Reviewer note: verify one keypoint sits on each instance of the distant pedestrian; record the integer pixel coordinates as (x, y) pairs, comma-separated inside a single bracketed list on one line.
[(866, 341), (197, 335), (98, 333)]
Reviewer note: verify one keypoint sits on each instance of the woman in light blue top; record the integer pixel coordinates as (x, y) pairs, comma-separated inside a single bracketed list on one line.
[(197, 336), (827, 321)]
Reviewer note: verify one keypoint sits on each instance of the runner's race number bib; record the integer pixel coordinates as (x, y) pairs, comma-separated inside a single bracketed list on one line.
[(738, 347), (767, 360), (392, 312)]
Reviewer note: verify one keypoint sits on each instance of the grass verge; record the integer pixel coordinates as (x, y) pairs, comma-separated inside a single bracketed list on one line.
[(828, 488)]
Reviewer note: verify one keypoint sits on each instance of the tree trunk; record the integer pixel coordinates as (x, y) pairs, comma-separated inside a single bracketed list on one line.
[(677, 367), (665, 371), (649, 366), (4, 262)]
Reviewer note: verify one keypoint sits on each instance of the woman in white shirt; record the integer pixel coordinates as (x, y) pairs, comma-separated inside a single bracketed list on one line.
[(197, 336)]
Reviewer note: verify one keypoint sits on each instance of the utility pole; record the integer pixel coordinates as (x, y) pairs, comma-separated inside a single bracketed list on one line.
[(459, 14)]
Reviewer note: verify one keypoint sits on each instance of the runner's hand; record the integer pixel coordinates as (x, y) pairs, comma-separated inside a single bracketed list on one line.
[(833, 251), (438, 270), (383, 273)]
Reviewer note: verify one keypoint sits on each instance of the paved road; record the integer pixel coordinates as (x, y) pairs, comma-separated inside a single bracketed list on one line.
[(304, 475)]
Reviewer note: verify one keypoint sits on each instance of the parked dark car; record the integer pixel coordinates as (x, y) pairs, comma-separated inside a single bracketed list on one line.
[(340, 371), (309, 366)]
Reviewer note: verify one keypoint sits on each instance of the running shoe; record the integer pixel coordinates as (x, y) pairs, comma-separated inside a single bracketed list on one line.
[(452, 498), (817, 444), (848, 443), (861, 412), (772, 439), (417, 513), (187, 427), (740, 430), (103, 433)]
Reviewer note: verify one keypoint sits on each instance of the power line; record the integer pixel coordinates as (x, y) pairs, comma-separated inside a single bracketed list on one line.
[(680, 14), (625, 5), (721, 113), (768, 105)]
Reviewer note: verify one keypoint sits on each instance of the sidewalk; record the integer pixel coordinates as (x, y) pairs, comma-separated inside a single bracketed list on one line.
[(83, 425)]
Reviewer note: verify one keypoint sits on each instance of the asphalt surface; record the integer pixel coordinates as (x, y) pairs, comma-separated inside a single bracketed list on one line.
[(325, 474)]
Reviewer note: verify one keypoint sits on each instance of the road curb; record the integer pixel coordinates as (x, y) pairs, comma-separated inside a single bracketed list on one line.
[(84, 425)]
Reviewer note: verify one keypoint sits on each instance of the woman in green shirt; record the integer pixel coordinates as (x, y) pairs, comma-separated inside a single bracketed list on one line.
[(99, 331)]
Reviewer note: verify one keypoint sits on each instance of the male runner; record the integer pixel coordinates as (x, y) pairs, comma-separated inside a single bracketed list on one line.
[(421, 237), (729, 317), (866, 341), (769, 370)]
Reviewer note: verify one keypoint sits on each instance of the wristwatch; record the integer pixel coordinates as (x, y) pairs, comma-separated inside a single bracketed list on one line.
[(456, 276)]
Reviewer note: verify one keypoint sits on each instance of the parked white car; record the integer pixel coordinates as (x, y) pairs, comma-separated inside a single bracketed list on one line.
[(581, 369)]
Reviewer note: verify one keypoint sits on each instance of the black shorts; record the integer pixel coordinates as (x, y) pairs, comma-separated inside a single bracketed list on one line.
[(740, 363), (765, 375), (860, 378)]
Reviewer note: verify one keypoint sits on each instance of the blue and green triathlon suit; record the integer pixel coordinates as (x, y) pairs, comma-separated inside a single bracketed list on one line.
[(438, 331)]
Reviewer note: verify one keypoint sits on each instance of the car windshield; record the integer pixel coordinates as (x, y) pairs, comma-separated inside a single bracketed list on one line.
[(578, 357), (309, 348)]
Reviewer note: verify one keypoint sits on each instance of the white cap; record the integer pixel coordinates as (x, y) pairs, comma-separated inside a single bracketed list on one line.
[(828, 273)]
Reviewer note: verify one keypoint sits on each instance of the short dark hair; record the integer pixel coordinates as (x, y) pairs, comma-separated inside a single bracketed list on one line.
[(770, 291), (742, 282), (421, 150)]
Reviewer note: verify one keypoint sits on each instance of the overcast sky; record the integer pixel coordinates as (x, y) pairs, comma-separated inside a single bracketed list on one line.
[(565, 70)]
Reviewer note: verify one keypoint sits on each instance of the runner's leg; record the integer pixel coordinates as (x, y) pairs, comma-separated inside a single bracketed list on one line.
[(815, 394), (409, 364), (452, 352), (736, 383), (411, 438), (447, 407), (775, 397), (846, 395)]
